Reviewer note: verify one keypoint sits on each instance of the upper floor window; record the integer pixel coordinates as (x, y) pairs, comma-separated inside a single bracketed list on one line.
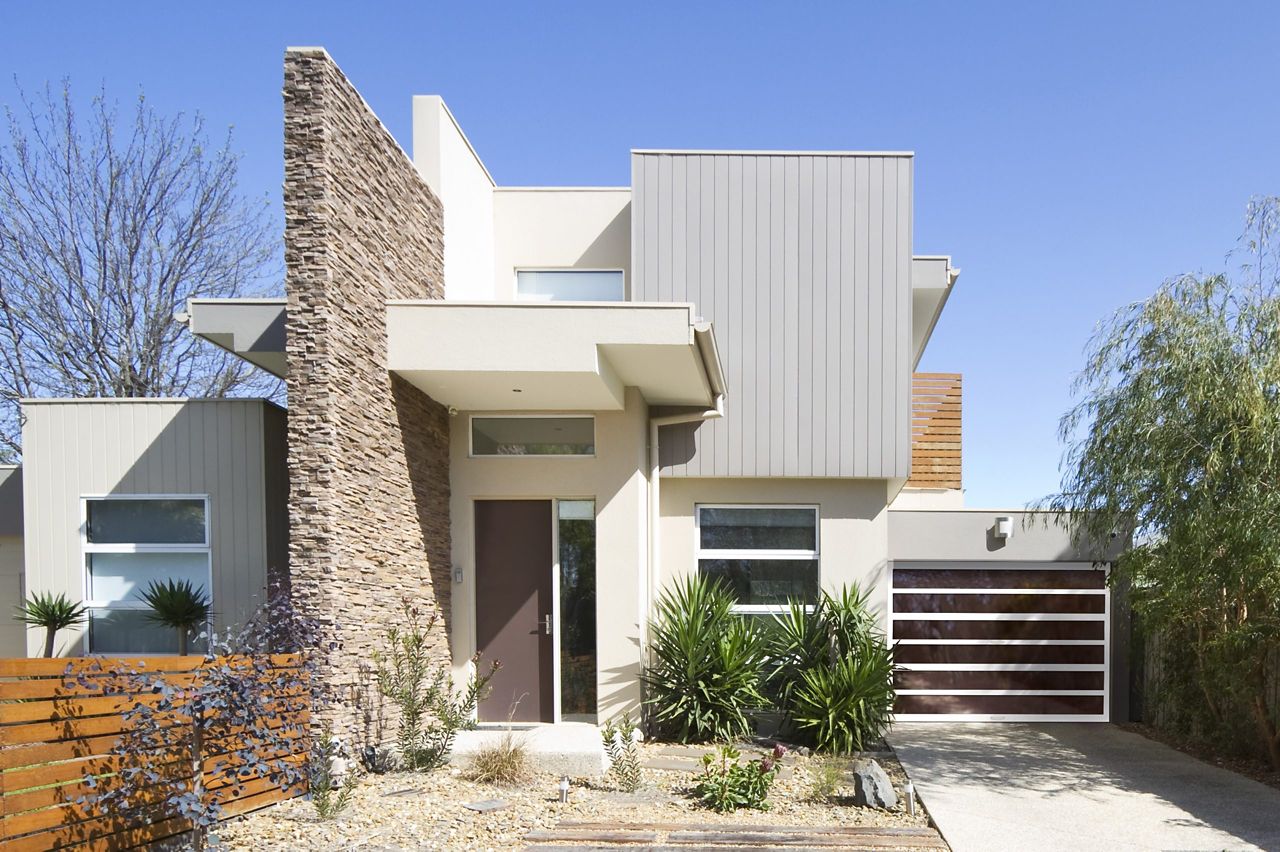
[(768, 555), (533, 436), (129, 543), (570, 285)]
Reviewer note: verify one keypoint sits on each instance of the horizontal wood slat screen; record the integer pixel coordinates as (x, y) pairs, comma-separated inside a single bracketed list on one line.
[(935, 430), (54, 732)]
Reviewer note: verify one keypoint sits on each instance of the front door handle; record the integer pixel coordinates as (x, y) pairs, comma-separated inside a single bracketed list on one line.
[(545, 621)]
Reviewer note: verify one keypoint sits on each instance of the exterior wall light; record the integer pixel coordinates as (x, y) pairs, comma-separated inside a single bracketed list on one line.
[(1004, 526)]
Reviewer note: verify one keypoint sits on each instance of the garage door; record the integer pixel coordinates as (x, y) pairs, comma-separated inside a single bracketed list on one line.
[(1000, 642)]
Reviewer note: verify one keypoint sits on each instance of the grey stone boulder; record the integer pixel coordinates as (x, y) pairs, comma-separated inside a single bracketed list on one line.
[(871, 785)]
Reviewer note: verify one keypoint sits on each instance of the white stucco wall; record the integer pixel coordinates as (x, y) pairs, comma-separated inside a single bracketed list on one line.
[(557, 228), (615, 479), (450, 166), (852, 527)]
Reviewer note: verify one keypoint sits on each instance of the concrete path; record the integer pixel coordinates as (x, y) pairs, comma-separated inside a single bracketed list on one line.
[(1079, 787)]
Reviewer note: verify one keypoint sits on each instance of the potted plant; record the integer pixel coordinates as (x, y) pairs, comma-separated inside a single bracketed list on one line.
[(52, 612), (177, 604)]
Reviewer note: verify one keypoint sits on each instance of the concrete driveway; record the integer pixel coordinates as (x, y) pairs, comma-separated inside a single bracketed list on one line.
[(1080, 787)]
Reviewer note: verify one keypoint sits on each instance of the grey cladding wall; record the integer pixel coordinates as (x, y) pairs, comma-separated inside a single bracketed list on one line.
[(802, 262)]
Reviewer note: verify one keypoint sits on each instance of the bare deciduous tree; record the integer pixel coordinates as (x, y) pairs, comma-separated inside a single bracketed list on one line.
[(107, 226)]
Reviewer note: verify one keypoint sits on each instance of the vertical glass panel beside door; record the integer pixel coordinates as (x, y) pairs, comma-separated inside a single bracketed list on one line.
[(577, 534)]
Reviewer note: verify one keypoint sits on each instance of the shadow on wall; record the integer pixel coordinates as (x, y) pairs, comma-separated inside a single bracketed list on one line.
[(611, 243), (1053, 760)]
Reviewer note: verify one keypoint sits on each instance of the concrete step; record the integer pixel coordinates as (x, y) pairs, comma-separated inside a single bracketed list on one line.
[(566, 748)]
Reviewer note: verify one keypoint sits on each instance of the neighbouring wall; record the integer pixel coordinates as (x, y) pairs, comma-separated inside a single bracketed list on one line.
[(13, 636), (368, 453), (82, 447)]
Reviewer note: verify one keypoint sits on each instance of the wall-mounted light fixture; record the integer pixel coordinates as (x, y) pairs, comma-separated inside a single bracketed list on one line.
[(457, 573), (1004, 526)]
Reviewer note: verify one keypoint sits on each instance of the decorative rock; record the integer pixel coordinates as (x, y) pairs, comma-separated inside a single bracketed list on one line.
[(871, 786), (486, 805)]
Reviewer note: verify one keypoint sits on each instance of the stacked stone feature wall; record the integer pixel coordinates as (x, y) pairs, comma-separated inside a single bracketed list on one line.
[(368, 453)]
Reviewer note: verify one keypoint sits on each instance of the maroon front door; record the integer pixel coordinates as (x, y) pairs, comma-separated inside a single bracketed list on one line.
[(513, 608)]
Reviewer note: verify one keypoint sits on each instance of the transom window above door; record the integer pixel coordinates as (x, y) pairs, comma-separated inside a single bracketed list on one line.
[(570, 285), (767, 555), (533, 436)]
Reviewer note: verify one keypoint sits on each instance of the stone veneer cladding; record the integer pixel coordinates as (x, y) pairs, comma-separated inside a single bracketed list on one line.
[(368, 453)]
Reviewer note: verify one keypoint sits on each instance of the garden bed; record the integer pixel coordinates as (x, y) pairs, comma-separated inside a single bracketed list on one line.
[(427, 811)]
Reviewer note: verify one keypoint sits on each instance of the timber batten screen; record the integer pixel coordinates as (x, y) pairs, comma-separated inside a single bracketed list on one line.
[(935, 430)]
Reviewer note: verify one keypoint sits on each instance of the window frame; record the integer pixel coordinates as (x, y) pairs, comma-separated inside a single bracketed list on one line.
[(471, 436), (88, 548), (815, 555), (515, 281)]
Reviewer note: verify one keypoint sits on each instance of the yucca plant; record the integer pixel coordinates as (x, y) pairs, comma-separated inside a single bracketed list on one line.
[(52, 612), (704, 671), (830, 671), (840, 708), (177, 604)]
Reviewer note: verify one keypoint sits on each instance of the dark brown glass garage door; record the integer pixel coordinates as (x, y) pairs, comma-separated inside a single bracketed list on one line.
[(1001, 642)]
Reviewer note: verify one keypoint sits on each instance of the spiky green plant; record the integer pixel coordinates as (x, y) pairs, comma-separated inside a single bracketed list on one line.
[(704, 671), (177, 604), (52, 612)]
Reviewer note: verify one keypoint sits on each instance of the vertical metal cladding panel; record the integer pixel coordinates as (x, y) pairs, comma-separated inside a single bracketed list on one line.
[(89, 447), (802, 263)]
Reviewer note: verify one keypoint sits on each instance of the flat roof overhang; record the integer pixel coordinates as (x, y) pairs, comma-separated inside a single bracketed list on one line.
[(253, 329), (553, 356), (932, 278)]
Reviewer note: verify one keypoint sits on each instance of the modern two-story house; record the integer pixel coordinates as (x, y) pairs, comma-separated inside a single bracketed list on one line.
[(532, 407)]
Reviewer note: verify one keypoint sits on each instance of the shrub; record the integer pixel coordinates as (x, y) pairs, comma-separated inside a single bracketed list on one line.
[(830, 672), (726, 785), (825, 779), (330, 794), (704, 672), (505, 763), (242, 718), (840, 708), (624, 754), (52, 612), (413, 676)]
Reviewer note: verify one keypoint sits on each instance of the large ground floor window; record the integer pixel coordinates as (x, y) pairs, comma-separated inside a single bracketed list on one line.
[(767, 555), (131, 541)]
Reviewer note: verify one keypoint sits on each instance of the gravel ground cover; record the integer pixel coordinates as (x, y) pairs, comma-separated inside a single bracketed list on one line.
[(426, 811)]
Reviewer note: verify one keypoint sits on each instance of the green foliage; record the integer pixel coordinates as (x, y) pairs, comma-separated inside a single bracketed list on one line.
[(704, 672), (726, 785), (1175, 438), (830, 671), (841, 707), (414, 673), (826, 777), (330, 796), (52, 612), (624, 754), (177, 604)]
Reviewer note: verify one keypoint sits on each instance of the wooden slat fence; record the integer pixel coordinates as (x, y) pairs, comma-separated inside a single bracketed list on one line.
[(935, 430), (56, 731)]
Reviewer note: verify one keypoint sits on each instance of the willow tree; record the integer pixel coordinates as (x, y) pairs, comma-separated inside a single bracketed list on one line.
[(1175, 436), (108, 223)]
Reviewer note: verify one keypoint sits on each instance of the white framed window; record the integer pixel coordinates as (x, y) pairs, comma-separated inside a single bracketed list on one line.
[(130, 541), (766, 554), (521, 435), (571, 285)]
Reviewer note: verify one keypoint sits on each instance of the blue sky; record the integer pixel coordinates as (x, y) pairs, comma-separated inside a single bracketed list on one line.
[(1069, 156)]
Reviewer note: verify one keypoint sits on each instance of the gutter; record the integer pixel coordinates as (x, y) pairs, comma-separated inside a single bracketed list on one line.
[(715, 379)]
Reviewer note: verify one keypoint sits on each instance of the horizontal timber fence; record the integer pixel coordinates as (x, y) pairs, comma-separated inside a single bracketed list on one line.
[(935, 430), (62, 722)]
